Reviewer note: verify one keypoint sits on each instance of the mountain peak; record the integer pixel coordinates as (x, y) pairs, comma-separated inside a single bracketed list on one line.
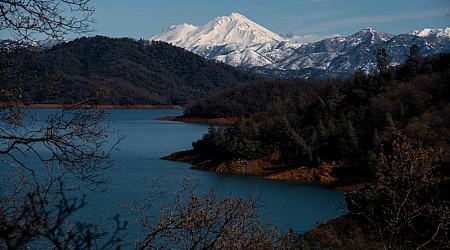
[(368, 30), (232, 29), (371, 34), (236, 15)]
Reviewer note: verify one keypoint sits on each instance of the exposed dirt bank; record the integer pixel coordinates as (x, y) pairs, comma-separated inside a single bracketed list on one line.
[(221, 121), (269, 168)]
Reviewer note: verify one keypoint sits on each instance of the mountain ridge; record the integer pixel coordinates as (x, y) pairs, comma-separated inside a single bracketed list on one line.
[(335, 56)]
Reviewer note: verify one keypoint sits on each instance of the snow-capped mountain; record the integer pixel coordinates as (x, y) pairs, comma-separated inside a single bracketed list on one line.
[(238, 41), (233, 39), (234, 28)]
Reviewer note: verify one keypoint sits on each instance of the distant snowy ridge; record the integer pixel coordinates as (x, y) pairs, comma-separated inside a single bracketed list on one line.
[(432, 32), (42, 44)]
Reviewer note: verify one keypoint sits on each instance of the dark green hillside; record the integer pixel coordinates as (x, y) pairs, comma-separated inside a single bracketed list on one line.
[(242, 101), (311, 122), (133, 72), (384, 137)]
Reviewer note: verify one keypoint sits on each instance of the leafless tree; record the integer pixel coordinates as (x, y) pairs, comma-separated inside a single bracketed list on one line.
[(42, 158), (71, 145), (405, 205), (25, 19), (193, 221)]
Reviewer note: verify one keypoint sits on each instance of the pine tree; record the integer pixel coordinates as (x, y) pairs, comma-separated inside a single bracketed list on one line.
[(382, 61), (349, 143), (414, 61)]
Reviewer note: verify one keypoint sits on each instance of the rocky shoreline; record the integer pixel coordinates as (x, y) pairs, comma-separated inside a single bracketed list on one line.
[(269, 168)]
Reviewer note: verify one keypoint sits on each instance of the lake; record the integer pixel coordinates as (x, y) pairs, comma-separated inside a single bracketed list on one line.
[(287, 205)]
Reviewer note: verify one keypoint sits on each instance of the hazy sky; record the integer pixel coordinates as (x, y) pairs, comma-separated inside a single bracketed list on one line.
[(145, 18)]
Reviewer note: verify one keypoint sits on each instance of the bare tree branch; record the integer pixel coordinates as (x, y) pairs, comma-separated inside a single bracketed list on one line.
[(205, 222), (25, 19)]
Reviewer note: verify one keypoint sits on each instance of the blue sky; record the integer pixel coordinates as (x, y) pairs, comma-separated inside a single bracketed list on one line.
[(145, 18)]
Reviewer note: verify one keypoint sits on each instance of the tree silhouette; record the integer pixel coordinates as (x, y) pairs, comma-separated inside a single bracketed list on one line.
[(414, 61), (39, 154)]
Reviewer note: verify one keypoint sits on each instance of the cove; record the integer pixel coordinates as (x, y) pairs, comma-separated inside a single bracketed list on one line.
[(286, 205)]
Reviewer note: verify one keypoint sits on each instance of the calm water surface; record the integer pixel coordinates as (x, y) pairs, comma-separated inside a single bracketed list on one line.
[(288, 205)]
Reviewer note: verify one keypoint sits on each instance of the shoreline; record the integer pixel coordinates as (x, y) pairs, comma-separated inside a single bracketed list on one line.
[(215, 121), (270, 169), (101, 106)]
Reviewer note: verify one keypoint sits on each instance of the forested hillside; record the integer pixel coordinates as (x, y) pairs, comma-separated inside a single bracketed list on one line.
[(312, 121), (385, 137), (125, 70)]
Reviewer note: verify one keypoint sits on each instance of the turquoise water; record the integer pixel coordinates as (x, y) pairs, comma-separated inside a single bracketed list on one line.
[(287, 205)]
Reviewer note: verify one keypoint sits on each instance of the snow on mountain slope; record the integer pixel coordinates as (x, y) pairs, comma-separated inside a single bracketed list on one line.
[(175, 34), (332, 52), (247, 55), (240, 42), (234, 28), (432, 32), (343, 55)]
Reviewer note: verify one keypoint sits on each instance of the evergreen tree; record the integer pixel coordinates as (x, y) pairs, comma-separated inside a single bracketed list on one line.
[(360, 79), (414, 61), (390, 124), (348, 142), (386, 75), (382, 61)]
